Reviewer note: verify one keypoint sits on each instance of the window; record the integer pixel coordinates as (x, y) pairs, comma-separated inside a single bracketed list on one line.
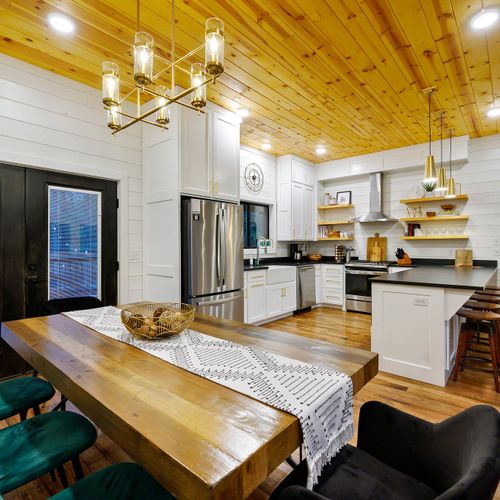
[(74, 243), (255, 223)]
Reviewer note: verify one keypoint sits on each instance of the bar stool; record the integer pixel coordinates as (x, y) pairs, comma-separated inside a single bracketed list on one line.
[(477, 313)]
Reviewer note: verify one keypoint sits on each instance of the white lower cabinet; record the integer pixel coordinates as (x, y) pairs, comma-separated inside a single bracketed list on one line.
[(332, 284), (255, 305), (281, 298)]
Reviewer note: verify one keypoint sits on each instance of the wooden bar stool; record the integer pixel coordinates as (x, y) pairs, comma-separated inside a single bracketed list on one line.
[(483, 297), (473, 319)]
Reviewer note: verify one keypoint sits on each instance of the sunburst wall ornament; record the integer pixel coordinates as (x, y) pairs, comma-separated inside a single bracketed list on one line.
[(254, 178)]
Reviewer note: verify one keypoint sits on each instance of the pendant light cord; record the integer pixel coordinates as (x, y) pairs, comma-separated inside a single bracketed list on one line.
[(430, 135), (172, 48), (442, 114), (450, 150), (138, 15)]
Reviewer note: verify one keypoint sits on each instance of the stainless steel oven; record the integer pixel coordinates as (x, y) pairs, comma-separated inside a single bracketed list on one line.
[(358, 286)]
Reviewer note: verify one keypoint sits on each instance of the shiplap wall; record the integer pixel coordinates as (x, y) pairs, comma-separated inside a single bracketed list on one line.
[(267, 196), (480, 179), (50, 122)]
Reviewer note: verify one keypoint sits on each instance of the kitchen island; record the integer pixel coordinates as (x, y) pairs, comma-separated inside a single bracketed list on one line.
[(414, 323)]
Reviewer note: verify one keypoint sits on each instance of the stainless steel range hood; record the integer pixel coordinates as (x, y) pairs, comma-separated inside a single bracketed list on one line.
[(376, 199)]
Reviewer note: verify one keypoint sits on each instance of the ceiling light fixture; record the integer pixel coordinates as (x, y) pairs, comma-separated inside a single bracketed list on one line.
[(320, 150), (430, 180), (266, 146), (242, 112), (441, 181), (493, 112), (484, 19), (61, 23), (200, 75)]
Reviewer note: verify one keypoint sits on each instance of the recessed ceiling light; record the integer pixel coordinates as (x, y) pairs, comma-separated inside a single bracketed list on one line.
[(266, 146), (493, 112), (242, 112), (320, 150), (61, 23), (484, 19)]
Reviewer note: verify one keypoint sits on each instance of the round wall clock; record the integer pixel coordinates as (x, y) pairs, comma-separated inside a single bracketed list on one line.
[(254, 178)]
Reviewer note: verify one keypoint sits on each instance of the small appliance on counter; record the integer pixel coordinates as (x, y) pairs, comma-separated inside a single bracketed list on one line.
[(297, 251)]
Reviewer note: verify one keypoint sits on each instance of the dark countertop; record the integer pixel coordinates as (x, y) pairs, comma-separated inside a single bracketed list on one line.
[(254, 268), (442, 277)]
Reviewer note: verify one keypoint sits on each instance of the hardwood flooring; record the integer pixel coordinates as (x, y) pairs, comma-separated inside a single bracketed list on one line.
[(332, 325)]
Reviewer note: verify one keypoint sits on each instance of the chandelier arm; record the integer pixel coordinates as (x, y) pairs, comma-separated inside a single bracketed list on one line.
[(175, 63), (127, 95), (157, 108)]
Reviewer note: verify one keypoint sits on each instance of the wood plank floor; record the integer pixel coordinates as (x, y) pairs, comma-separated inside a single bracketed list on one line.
[(332, 325)]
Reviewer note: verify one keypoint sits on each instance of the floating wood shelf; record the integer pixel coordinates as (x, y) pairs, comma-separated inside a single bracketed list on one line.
[(335, 223), (460, 197), (335, 239), (437, 237), (332, 207), (438, 218)]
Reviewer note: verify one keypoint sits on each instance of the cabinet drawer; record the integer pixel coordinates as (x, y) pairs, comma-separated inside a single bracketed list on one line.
[(333, 269), (332, 296), (256, 276), (333, 281)]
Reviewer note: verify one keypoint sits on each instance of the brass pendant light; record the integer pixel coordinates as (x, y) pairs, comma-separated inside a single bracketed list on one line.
[(429, 182), (451, 191), (441, 182)]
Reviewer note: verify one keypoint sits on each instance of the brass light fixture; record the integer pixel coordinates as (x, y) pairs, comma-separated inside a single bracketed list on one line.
[(144, 77), (441, 181), (451, 191), (429, 182)]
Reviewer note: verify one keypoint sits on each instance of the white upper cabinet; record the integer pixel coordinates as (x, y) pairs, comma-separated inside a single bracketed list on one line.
[(296, 200), (226, 157), (210, 155), (196, 178)]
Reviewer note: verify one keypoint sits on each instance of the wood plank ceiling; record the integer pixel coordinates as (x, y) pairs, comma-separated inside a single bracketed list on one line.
[(347, 74)]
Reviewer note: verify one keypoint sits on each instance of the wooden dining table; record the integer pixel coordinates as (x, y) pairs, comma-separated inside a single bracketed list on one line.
[(197, 438)]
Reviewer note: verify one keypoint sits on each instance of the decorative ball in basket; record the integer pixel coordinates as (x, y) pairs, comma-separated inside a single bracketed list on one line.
[(153, 321)]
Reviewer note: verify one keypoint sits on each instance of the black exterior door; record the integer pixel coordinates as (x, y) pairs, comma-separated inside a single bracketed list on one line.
[(58, 238)]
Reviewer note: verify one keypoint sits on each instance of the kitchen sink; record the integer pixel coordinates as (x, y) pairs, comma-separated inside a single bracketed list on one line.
[(280, 274)]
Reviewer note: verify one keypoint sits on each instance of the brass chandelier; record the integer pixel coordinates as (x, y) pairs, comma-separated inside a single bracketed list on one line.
[(144, 78)]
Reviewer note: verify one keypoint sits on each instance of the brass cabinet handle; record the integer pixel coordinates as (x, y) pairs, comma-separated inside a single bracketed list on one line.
[(258, 284)]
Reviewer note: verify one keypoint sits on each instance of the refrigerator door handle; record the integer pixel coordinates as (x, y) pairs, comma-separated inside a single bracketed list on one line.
[(223, 243), (220, 301), (217, 247)]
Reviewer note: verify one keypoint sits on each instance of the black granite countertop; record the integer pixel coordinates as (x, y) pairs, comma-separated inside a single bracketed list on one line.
[(443, 277), (254, 268)]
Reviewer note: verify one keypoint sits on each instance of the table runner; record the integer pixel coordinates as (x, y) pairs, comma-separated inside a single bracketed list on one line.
[(321, 398)]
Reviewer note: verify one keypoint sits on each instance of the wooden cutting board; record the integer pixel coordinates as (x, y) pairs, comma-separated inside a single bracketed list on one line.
[(376, 248), (463, 258)]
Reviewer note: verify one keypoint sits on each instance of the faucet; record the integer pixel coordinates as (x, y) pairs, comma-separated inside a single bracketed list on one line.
[(257, 260)]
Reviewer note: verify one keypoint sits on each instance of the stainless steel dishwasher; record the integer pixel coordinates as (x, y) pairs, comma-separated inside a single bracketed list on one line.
[(306, 286)]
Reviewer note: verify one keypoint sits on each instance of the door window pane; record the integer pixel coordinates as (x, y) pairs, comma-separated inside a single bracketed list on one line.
[(74, 243), (256, 223)]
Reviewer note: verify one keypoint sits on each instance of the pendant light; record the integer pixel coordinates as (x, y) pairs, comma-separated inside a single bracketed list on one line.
[(450, 189), (441, 182), (429, 182)]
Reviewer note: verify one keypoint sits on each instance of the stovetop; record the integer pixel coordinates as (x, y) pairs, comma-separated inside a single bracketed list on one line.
[(359, 264)]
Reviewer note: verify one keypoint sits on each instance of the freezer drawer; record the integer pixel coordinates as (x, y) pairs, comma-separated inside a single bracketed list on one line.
[(225, 305)]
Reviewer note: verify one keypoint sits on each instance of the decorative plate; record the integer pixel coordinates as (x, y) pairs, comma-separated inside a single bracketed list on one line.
[(254, 178)]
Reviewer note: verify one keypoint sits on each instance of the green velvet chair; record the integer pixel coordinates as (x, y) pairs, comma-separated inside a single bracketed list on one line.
[(42, 444), (18, 395), (124, 481)]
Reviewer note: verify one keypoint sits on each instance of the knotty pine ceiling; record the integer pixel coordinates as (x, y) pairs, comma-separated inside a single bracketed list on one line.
[(343, 73)]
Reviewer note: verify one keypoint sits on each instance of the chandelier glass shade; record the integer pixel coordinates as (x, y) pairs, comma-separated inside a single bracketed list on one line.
[(200, 74)]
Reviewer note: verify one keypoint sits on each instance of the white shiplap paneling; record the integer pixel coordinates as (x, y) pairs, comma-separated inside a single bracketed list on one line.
[(480, 179), (50, 122)]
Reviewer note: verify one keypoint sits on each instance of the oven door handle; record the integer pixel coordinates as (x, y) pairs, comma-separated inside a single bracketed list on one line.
[(368, 273)]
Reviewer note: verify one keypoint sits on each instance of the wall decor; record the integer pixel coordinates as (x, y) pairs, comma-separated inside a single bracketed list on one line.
[(254, 178), (344, 197)]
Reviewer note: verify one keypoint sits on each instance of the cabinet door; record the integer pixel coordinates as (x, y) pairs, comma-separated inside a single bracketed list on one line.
[(245, 297), (289, 300), (297, 212), (274, 299), (196, 174), (308, 212), (256, 300), (226, 157)]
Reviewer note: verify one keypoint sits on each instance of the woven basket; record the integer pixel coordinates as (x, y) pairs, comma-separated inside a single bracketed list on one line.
[(157, 320), (314, 256)]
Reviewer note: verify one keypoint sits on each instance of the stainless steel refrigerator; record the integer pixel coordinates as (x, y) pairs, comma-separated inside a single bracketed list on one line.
[(212, 257)]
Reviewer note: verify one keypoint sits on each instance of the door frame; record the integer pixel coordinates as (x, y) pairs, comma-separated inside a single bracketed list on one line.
[(122, 212)]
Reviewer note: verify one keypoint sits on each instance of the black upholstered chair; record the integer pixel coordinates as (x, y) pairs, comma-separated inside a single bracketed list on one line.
[(58, 306), (400, 456)]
